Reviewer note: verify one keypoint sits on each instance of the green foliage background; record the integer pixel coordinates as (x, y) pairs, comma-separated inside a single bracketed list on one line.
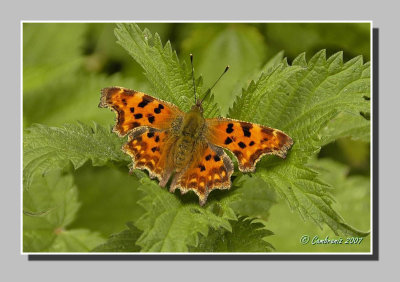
[(78, 195)]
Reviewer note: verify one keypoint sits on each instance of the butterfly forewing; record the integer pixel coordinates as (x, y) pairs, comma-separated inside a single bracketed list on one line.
[(247, 141), (135, 109)]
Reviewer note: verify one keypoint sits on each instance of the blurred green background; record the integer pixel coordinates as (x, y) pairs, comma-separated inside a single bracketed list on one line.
[(66, 64)]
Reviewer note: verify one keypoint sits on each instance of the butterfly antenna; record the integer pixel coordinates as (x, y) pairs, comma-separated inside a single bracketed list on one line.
[(209, 89), (194, 84)]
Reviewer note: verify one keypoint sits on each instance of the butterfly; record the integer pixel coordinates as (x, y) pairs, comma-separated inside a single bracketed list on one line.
[(168, 142)]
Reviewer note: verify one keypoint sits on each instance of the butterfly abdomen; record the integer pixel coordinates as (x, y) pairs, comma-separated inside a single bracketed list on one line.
[(183, 152), (189, 134)]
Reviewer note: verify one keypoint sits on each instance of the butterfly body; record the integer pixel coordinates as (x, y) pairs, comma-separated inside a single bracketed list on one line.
[(187, 147), (190, 133)]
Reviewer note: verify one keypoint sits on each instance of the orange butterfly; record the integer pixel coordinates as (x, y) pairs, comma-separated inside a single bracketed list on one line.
[(166, 141)]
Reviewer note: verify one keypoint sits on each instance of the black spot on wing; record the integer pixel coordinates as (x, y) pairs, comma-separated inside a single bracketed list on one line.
[(145, 101), (246, 128), (251, 143), (208, 157), (151, 119), (150, 134), (229, 128), (228, 140), (242, 145), (217, 158), (202, 167), (158, 109), (138, 116), (132, 109), (157, 138)]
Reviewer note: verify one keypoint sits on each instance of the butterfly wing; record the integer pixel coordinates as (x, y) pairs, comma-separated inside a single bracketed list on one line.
[(247, 141), (210, 169), (135, 109), (150, 149)]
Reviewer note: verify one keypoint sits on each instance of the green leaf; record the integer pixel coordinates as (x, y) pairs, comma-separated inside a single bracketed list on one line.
[(300, 100), (310, 197), (54, 147), (352, 194), (354, 153), (293, 94), (247, 236), (250, 99), (49, 206), (106, 56), (170, 79), (251, 196), (121, 242), (76, 240), (50, 51), (171, 226), (273, 62), (352, 38), (72, 98), (352, 191), (242, 47), (344, 125), (109, 199)]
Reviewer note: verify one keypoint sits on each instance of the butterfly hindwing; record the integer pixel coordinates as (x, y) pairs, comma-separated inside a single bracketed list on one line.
[(135, 109), (247, 141), (149, 149), (210, 169)]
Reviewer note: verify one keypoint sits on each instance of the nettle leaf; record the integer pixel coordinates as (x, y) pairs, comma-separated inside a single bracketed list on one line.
[(47, 148), (301, 100), (108, 196), (272, 63), (246, 236), (170, 226), (250, 196), (74, 97), (352, 194), (49, 206), (344, 125), (242, 47), (76, 240), (309, 196), (121, 242), (354, 38), (170, 79)]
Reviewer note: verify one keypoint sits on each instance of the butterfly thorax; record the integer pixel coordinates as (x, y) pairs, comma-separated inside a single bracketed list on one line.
[(190, 134)]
